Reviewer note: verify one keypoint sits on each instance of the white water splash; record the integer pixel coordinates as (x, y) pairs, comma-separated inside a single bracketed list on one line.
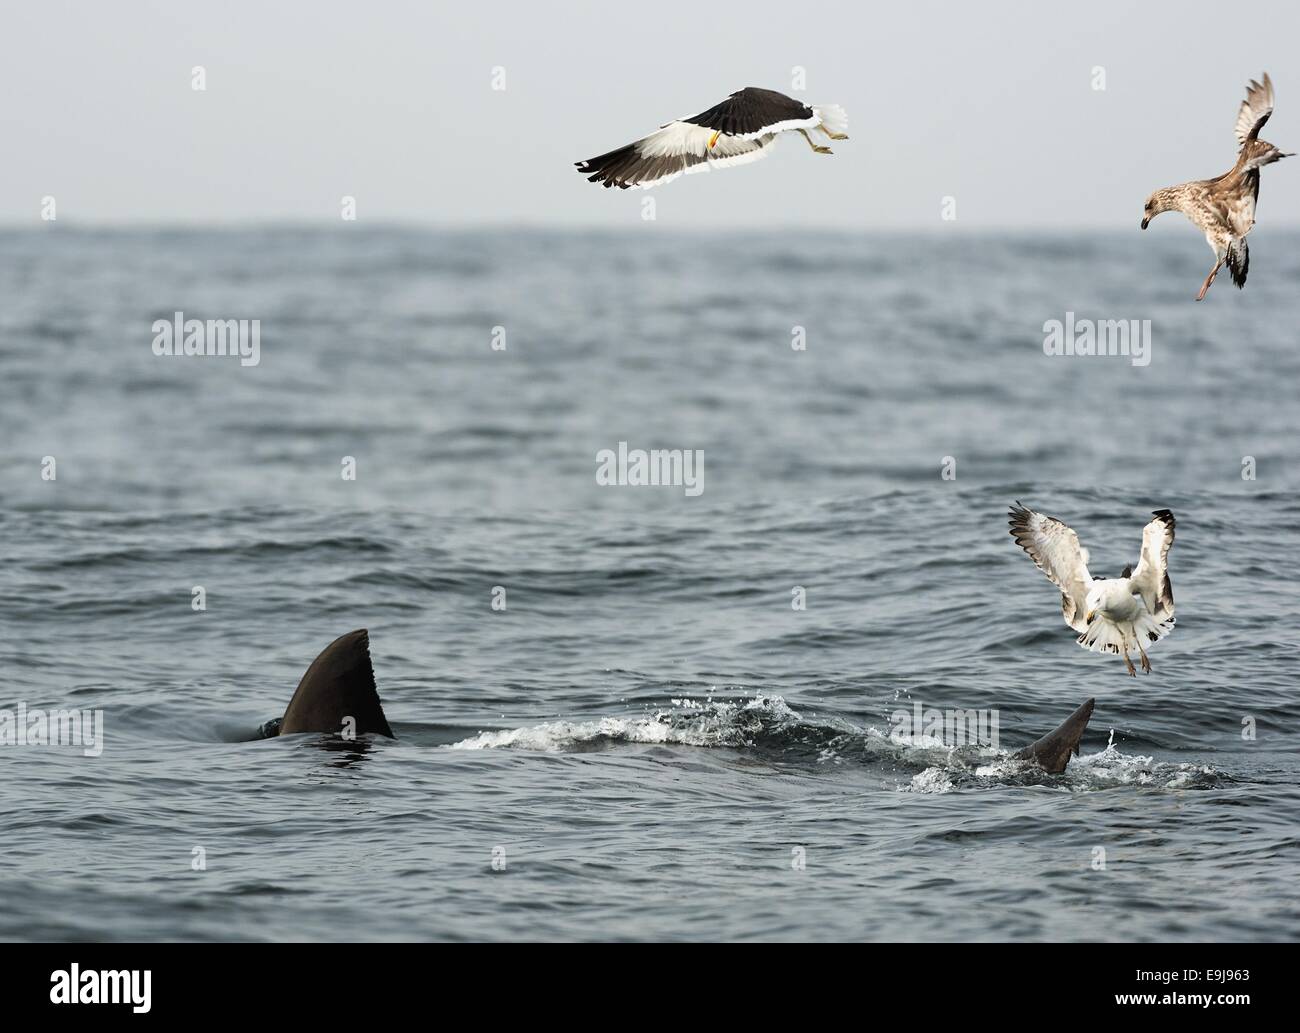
[(688, 723), (1109, 767), (932, 780), (741, 723)]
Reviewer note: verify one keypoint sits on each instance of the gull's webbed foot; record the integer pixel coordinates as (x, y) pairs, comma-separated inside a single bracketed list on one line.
[(815, 146)]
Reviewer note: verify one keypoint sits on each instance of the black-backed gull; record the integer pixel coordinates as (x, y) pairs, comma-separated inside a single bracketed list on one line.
[(1112, 615), (739, 130)]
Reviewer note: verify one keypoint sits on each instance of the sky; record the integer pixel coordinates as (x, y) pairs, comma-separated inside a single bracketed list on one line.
[(993, 105)]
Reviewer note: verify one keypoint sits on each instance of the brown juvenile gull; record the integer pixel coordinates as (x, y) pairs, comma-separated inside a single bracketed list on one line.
[(1112, 615), (739, 130), (1224, 207)]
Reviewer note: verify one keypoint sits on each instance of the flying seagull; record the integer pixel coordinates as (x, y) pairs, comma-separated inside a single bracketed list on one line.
[(1224, 207), (1112, 615), (739, 130)]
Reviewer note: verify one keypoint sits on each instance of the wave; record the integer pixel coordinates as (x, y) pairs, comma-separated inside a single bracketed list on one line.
[(687, 723), (769, 724)]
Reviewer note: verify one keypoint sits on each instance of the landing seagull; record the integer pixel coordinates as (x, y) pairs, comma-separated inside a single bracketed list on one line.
[(739, 130), (1225, 207), (1112, 615)]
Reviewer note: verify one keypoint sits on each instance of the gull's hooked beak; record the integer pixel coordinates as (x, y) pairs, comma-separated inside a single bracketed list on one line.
[(714, 139), (1145, 221), (1088, 619)]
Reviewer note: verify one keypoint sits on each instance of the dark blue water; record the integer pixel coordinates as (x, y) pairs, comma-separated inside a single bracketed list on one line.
[(648, 736)]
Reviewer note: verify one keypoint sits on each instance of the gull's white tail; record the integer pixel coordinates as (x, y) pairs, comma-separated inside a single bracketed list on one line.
[(1103, 636), (833, 117)]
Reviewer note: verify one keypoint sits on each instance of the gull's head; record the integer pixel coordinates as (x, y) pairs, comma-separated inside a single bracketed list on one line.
[(1093, 605), (1160, 201)]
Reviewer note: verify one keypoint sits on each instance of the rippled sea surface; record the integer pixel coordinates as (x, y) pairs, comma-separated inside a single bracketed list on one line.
[(649, 741)]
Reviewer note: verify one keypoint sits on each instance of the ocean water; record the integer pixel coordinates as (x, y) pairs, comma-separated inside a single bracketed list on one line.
[(649, 741)]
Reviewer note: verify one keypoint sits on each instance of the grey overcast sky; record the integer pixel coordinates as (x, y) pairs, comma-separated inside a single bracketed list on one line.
[(392, 102)]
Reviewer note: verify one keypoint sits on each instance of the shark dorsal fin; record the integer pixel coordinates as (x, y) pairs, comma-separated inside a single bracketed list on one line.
[(340, 683)]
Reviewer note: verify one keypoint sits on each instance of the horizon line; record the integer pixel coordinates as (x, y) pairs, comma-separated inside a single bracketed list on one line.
[(379, 223)]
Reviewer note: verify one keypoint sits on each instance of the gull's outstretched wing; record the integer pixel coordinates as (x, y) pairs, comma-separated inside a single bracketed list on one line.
[(1254, 110), (754, 112), (1055, 548), (673, 150), (1151, 579)]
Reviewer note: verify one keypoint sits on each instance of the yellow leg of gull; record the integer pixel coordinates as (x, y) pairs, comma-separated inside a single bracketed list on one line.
[(1129, 664), (816, 147)]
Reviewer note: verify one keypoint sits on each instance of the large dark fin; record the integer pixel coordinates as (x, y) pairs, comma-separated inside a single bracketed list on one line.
[(1053, 751), (340, 683)]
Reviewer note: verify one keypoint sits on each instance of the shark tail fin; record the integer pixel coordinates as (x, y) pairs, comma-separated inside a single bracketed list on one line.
[(1053, 751)]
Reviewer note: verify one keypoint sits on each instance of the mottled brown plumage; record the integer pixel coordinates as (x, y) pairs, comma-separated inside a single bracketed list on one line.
[(1224, 207)]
